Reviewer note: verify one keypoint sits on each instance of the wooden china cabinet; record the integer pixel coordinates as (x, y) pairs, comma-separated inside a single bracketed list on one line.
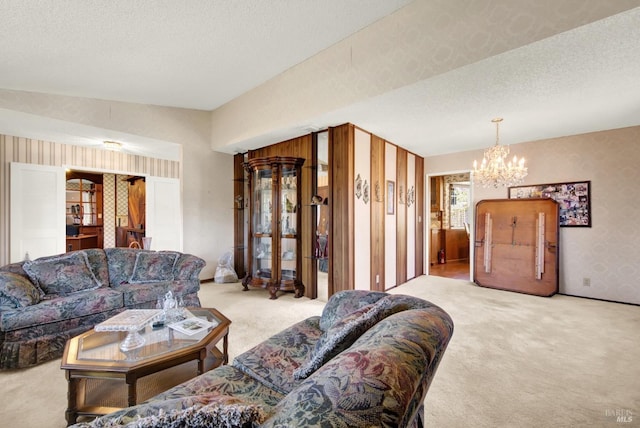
[(274, 245)]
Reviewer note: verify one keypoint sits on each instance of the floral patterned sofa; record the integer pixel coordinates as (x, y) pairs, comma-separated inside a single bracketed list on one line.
[(46, 301), (367, 361)]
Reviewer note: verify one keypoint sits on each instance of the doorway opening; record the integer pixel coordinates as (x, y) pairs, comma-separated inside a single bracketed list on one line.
[(104, 210), (450, 224)]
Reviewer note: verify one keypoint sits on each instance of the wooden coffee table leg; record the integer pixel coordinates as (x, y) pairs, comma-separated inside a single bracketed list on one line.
[(201, 358), (132, 396), (225, 349), (71, 414)]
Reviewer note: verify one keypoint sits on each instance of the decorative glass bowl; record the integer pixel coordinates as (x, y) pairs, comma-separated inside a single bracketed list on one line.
[(131, 321)]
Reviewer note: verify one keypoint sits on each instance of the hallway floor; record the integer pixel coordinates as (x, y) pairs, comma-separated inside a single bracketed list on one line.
[(458, 269)]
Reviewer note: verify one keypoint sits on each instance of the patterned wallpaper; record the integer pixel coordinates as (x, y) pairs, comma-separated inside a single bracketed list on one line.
[(608, 252), (109, 209), (122, 201)]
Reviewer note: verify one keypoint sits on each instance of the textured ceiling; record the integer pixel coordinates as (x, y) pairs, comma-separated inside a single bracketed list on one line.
[(202, 54), (579, 81), (195, 54)]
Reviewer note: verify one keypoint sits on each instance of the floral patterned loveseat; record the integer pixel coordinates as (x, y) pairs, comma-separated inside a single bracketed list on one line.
[(46, 301), (368, 361)]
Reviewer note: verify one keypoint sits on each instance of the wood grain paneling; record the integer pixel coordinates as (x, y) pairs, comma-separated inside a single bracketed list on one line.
[(420, 216), (377, 213), (137, 203), (456, 244), (401, 217), (341, 152)]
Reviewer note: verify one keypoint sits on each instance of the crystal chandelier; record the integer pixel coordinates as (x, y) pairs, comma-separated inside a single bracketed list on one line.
[(495, 170)]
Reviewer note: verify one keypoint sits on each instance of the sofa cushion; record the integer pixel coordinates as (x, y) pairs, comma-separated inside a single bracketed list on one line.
[(98, 264), (345, 302), (188, 266), (274, 361), (120, 262), (342, 334), (59, 308), (63, 274), (151, 266), (16, 291)]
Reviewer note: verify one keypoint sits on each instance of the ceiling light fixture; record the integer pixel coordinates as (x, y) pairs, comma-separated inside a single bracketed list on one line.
[(112, 145), (495, 170)]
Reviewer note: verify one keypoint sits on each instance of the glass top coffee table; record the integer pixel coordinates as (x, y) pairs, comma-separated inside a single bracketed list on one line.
[(96, 367)]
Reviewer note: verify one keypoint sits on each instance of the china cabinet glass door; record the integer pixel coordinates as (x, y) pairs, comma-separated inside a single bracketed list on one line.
[(263, 224), (288, 224)]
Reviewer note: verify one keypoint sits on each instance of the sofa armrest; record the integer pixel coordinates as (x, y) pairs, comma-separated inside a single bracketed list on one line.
[(188, 266)]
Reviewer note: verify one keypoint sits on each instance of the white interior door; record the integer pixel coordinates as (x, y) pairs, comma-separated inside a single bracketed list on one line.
[(37, 217), (164, 213)]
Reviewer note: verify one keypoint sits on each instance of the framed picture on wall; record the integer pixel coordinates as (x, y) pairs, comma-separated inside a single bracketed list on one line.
[(391, 197), (574, 200)]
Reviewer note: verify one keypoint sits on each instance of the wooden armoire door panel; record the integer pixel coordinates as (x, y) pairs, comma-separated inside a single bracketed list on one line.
[(516, 245)]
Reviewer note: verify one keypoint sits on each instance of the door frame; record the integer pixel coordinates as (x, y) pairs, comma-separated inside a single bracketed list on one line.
[(427, 224), (150, 198)]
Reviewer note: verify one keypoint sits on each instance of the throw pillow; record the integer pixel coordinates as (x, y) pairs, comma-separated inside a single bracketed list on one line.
[(62, 275), (153, 266), (345, 302), (16, 291), (342, 334), (216, 414)]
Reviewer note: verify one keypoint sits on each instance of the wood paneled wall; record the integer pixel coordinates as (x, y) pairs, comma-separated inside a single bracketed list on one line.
[(377, 213), (341, 207), (342, 162), (401, 216), (421, 216), (341, 237)]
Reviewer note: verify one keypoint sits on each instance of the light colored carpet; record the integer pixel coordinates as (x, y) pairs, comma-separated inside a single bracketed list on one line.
[(514, 360)]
